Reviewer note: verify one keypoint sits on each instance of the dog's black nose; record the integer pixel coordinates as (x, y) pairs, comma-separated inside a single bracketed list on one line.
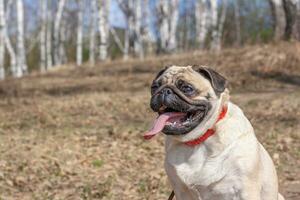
[(167, 91)]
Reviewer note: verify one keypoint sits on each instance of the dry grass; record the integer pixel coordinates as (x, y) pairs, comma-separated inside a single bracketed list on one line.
[(75, 133)]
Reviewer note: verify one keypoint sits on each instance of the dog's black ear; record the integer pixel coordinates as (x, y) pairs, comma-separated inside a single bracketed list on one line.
[(217, 81), (161, 72)]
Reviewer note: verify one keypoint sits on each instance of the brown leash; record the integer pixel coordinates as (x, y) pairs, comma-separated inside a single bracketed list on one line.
[(171, 195)]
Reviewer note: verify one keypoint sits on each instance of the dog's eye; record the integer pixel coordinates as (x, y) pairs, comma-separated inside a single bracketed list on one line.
[(187, 89)]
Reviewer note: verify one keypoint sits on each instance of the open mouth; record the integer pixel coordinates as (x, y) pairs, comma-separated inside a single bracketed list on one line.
[(175, 121), (184, 119)]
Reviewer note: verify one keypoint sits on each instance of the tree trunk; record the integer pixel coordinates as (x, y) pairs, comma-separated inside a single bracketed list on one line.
[(20, 39), (10, 49), (2, 40), (116, 39), (237, 23), (93, 32), (146, 33), (221, 23), (290, 8), (201, 22), (279, 16), (56, 35), (218, 27), (126, 44), (138, 43), (163, 24), (172, 43), (129, 12), (79, 33), (126, 8), (214, 24), (103, 24), (43, 4), (49, 35), (62, 41), (296, 27)]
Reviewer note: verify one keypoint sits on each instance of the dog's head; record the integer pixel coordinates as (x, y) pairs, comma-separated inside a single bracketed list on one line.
[(185, 98)]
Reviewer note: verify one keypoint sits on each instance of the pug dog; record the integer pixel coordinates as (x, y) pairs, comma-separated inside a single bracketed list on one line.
[(211, 150)]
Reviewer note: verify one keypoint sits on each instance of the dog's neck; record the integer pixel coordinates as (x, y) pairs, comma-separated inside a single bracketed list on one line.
[(209, 132), (209, 121)]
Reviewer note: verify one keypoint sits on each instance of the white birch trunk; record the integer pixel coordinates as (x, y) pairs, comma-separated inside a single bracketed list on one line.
[(172, 43), (79, 33), (237, 22), (138, 43), (57, 23), (126, 44), (43, 4), (130, 25), (104, 6), (13, 57), (20, 38), (62, 38), (2, 40), (93, 19), (128, 12), (221, 25), (49, 36), (280, 18), (164, 23), (10, 49), (202, 22), (147, 37), (296, 27), (117, 39), (214, 24)]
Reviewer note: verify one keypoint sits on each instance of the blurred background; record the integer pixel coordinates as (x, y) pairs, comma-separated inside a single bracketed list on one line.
[(75, 78)]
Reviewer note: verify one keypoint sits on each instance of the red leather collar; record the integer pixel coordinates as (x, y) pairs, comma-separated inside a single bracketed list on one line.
[(209, 132)]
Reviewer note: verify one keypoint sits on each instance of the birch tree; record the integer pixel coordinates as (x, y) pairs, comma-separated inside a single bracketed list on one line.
[(202, 12), (168, 14), (163, 22), (277, 7), (104, 6), (296, 27), (117, 39), (286, 18), (290, 8), (138, 44), (57, 25), (147, 37), (93, 20), (62, 41), (49, 59), (2, 41), (12, 55), (237, 22), (172, 44), (79, 33), (20, 38), (214, 23), (217, 25), (126, 7), (43, 9)]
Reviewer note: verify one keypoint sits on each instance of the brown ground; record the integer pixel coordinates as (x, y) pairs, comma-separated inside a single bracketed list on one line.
[(75, 133)]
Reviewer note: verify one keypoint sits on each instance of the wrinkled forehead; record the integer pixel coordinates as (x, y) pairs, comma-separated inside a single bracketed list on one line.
[(186, 73)]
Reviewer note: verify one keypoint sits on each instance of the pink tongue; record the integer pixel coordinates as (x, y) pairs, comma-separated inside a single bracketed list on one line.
[(160, 123)]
